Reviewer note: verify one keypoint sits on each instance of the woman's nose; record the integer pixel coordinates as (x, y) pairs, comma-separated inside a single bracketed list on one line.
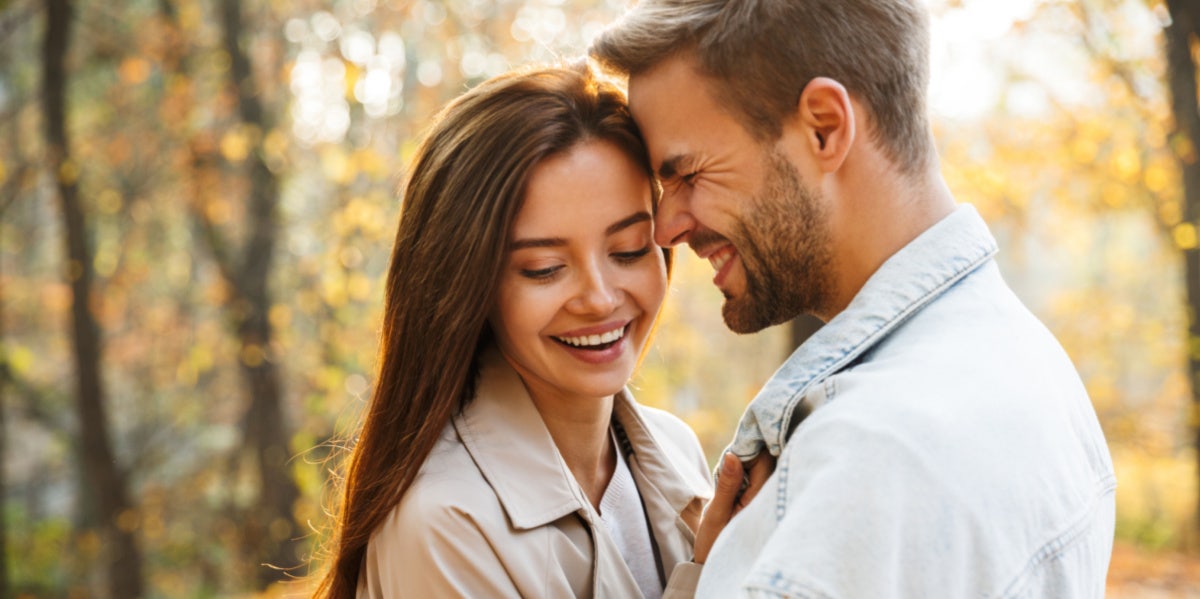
[(597, 293)]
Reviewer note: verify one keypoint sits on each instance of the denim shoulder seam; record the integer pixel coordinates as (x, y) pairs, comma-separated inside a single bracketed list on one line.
[(831, 388), (1057, 546), (782, 470)]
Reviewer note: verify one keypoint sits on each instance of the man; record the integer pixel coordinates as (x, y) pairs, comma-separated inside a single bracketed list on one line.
[(933, 439)]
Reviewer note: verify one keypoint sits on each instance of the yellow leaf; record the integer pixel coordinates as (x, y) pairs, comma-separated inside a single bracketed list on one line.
[(235, 145), (275, 145), (333, 292), (1185, 236), (308, 301), (68, 172), (218, 210), (20, 359), (352, 74), (329, 378), (1113, 196), (359, 286), (337, 165), (371, 163), (109, 201), (1182, 147), (252, 355), (1128, 163), (280, 316), (1083, 149), (1170, 212), (134, 70), (190, 16), (1158, 178), (185, 375)]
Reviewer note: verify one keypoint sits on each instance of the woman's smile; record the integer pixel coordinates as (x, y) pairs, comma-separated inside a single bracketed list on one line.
[(583, 280)]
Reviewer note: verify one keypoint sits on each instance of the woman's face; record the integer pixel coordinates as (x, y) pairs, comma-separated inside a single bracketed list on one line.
[(583, 279)]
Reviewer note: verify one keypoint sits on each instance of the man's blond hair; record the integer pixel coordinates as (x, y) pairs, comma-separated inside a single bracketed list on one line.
[(761, 53)]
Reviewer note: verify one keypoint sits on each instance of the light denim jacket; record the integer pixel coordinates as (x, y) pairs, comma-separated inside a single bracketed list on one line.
[(947, 447)]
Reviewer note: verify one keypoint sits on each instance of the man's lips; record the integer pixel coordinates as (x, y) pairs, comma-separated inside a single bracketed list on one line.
[(715, 248), (720, 256), (722, 261)]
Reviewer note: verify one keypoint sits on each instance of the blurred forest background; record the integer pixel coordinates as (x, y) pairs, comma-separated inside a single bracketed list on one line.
[(197, 201)]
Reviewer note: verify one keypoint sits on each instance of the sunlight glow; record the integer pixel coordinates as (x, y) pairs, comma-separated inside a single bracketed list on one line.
[(965, 78)]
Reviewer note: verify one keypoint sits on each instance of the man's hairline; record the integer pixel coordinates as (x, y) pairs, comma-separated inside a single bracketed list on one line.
[(725, 101), (716, 88)]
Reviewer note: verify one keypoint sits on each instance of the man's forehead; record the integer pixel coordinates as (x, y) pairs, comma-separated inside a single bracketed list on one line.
[(663, 79), (674, 107)]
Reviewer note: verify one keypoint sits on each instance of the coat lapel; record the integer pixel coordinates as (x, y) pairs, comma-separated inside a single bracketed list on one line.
[(507, 439)]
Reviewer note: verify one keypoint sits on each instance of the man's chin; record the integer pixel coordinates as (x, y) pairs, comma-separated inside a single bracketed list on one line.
[(742, 317)]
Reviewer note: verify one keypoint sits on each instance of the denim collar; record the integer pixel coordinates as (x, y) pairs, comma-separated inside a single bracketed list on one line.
[(914, 276)]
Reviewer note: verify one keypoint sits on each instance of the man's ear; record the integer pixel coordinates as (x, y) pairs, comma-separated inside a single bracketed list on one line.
[(826, 117)]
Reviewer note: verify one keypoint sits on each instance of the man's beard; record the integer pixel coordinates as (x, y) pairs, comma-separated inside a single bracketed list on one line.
[(783, 243)]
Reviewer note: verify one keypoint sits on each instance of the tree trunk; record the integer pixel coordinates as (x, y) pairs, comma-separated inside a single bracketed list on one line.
[(1181, 80), (5, 591), (265, 429), (107, 482)]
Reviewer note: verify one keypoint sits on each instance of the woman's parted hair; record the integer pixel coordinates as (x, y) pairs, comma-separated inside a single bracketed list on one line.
[(761, 54), (463, 192)]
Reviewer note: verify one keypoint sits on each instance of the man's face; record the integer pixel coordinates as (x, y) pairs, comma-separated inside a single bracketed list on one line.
[(735, 201)]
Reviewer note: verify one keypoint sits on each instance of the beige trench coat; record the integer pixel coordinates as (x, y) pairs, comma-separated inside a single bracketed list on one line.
[(496, 513)]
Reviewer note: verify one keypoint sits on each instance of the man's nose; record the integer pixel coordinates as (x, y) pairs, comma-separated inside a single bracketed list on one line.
[(674, 221)]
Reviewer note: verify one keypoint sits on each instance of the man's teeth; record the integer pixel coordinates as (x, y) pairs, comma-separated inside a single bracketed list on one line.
[(719, 259), (590, 340)]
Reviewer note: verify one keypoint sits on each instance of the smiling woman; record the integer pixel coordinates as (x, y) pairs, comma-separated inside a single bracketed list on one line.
[(501, 454), (582, 286)]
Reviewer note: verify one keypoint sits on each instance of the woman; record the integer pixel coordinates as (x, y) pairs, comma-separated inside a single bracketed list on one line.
[(501, 455)]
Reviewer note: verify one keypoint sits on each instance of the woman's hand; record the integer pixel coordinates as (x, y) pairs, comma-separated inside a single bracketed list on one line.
[(730, 497)]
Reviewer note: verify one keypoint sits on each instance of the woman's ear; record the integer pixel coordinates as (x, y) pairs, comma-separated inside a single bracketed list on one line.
[(827, 120)]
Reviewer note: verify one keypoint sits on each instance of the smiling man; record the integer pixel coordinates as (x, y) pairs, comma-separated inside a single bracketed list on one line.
[(933, 439)]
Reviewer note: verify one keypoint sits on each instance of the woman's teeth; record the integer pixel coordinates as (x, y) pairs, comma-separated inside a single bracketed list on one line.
[(593, 340)]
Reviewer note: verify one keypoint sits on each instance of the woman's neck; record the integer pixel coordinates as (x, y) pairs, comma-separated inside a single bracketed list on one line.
[(580, 429)]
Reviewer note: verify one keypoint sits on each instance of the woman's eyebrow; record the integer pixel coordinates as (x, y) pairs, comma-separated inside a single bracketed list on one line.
[(627, 222), (545, 242)]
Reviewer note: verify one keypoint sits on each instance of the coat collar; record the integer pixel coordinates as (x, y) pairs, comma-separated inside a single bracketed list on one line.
[(920, 272), (678, 487), (506, 437)]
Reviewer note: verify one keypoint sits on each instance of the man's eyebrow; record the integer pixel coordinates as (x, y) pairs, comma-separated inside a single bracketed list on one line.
[(549, 242), (671, 166)]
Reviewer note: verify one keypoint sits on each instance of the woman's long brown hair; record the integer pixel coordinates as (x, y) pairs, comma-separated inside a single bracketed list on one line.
[(463, 192)]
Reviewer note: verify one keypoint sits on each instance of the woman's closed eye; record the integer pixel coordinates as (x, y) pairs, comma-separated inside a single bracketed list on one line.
[(631, 257), (541, 274)]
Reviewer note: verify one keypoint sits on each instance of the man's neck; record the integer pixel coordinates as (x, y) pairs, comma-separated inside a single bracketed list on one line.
[(877, 216)]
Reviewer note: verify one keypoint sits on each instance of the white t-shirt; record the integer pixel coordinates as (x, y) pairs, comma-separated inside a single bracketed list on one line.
[(622, 513)]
